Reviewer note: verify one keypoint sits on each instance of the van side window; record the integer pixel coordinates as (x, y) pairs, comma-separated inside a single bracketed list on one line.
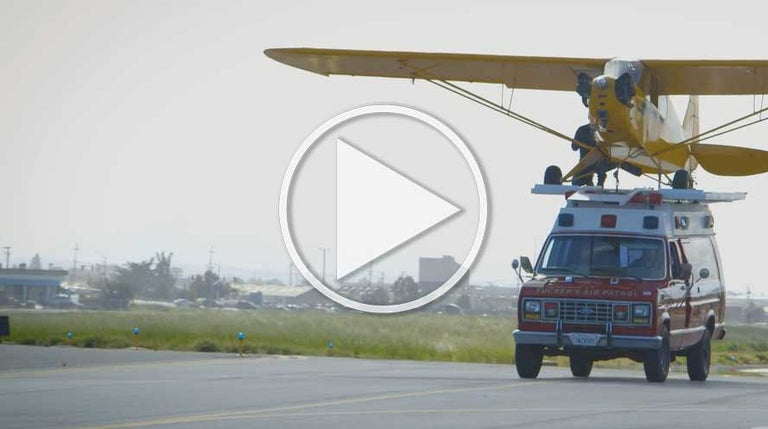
[(701, 254), (674, 260)]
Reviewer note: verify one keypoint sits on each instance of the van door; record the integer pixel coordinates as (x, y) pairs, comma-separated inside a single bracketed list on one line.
[(706, 287), (672, 296)]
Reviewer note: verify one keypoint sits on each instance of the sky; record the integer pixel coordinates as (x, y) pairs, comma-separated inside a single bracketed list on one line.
[(131, 127)]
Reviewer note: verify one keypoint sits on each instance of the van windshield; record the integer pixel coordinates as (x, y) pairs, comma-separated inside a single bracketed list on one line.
[(603, 256)]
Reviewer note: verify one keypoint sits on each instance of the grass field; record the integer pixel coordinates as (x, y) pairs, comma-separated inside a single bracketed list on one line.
[(417, 336)]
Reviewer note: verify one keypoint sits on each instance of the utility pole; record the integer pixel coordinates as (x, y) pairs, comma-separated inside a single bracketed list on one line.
[(324, 252), (370, 273), (210, 259), (290, 273), (74, 265), (7, 256), (103, 264)]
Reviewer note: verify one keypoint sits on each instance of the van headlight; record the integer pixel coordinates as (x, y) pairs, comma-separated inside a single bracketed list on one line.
[(641, 314), (532, 306), (532, 309), (641, 310)]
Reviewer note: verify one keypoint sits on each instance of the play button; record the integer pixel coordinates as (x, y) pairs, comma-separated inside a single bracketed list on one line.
[(382, 216), (371, 218)]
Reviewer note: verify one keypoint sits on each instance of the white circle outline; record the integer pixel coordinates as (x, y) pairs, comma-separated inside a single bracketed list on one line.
[(396, 110)]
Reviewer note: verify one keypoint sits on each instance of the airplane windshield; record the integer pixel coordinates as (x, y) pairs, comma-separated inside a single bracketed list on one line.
[(603, 256), (617, 67)]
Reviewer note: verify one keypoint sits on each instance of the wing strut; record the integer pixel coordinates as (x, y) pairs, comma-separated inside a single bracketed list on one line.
[(469, 95), (706, 135)]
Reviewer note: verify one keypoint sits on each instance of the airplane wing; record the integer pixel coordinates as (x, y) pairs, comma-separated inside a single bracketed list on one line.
[(730, 160), (546, 73), (710, 77), (675, 77)]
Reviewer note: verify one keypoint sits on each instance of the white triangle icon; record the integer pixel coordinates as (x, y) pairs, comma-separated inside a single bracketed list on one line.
[(377, 209)]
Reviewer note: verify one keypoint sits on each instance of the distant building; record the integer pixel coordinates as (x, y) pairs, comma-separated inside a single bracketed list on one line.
[(433, 272), (284, 295), (25, 285)]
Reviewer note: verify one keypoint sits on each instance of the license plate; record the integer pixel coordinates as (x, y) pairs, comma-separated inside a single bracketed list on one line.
[(584, 339)]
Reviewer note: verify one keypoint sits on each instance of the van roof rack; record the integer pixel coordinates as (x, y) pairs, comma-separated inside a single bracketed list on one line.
[(623, 196)]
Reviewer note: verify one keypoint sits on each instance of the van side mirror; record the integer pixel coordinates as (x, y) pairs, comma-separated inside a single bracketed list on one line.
[(683, 271), (516, 269), (525, 264)]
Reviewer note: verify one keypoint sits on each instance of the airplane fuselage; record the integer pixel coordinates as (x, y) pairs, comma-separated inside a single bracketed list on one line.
[(629, 123)]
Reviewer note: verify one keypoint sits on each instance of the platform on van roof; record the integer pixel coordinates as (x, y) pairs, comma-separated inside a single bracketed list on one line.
[(624, 196)]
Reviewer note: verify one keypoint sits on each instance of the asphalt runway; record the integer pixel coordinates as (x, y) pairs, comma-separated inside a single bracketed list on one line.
[(146, 389)]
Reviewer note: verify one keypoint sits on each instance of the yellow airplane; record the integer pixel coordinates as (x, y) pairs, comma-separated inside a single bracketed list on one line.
[(632, 124)]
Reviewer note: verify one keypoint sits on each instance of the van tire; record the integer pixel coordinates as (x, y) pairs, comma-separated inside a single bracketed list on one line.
[(581, 366), (553, 175), (528, 359), (656, 362), (699, 358)]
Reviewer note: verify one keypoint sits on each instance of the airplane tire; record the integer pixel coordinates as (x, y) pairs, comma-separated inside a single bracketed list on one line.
[(581, 366), (553, 175), (681, 180), (699, 358), (656, 362), (528, 360)]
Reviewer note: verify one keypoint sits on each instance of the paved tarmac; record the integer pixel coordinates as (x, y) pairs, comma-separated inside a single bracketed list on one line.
[(146, 389)]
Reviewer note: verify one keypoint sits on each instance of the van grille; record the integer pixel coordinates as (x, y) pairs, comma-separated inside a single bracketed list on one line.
[(586, 312)]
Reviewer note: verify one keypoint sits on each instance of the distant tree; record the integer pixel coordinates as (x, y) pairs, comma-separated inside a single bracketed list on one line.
[(163, 280), (153, 278), (377, 296), (114, 294), (209, 285), (177, 272), (35, 263), (137, 276), (405, 289), (117, 289)]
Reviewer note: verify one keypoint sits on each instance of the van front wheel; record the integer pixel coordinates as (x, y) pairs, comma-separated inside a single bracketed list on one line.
[(656, 362), (581, 366), (528, 360)]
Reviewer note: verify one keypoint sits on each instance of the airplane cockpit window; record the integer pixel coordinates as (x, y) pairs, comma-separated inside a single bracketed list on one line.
[(617, 67)]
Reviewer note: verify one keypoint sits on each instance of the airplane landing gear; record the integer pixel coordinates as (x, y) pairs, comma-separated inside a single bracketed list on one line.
[(553, 175), (682, 180)]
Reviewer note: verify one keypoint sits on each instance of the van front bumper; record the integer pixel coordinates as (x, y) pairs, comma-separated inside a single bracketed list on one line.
[(597, 341)]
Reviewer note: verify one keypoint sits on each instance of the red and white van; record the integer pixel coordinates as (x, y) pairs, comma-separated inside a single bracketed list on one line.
[(626, 273)]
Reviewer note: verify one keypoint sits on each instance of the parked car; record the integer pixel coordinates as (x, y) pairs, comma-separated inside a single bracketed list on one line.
[(184, 303), (61, 302)]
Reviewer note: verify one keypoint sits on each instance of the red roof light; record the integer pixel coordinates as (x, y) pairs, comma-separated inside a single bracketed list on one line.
[(654, 198), (608, 221)]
